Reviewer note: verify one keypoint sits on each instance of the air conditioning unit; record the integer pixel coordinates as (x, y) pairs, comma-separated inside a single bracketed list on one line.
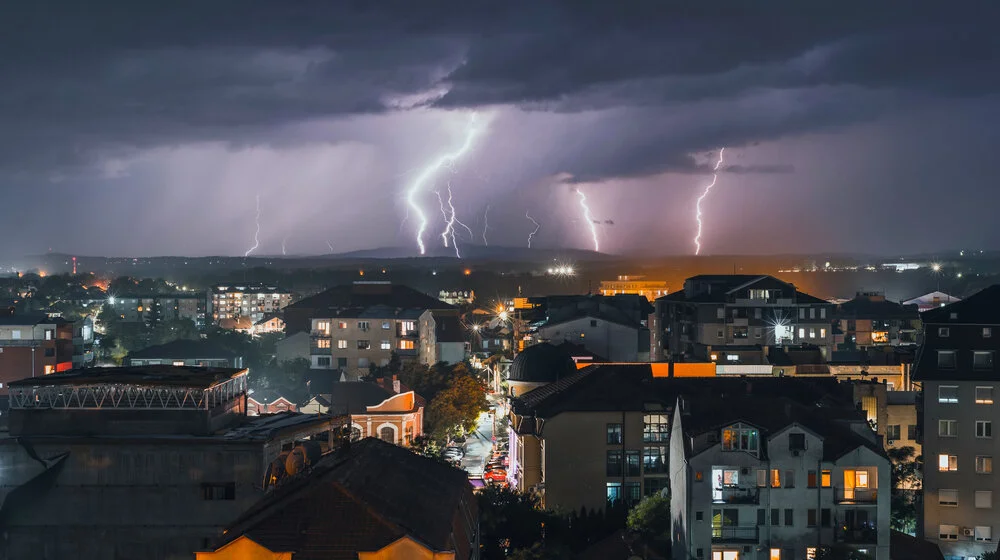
[(967, 532)]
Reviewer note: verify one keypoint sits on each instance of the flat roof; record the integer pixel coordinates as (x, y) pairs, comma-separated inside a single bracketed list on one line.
[(158, 375)]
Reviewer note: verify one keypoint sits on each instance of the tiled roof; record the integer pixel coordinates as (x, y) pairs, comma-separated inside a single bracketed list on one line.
[(362, 497)]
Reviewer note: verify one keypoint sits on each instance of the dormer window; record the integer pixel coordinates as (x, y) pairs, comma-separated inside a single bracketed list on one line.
[(740, 437)]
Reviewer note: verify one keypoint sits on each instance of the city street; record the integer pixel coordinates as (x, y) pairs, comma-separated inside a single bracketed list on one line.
[(479, 446)]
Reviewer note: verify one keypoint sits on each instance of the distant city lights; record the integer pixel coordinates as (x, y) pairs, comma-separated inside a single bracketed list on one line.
[(562, 270)]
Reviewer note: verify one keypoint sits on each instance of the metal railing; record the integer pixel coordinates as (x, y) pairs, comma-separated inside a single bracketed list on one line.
[(723, 534), (736, 496), (856, 495)]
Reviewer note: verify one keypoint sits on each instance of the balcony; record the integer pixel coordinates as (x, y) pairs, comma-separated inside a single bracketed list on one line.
[(736, 496), (24, 343), (724, 535), (863, 496), (857, 535)]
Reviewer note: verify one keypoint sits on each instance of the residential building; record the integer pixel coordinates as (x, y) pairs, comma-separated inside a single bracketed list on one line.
[(871, 320), (266, 401), (768, 478), (83, 342), (186, 353), (932, 300), (719, 310), (457, 297), (599, 438), (368, 500), (385, 409), (293, 347), (612, 326), (958, 368), (136, 462), (35, 345), (269, 324), (634, 285), (231, 303), (135, 308), (358, 296), (442, 339)]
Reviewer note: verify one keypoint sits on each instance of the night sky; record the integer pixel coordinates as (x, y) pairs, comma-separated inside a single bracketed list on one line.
[(152, 128)]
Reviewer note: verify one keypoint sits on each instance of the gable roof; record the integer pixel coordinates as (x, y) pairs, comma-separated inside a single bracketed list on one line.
[(364, 295), (982, 308), (353, 397), (363, 497)]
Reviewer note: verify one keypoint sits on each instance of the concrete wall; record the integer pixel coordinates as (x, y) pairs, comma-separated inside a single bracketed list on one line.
[(613, 341), (356, 360)]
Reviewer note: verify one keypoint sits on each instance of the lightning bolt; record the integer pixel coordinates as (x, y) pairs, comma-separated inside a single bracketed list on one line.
[(330, 245), (537, 227), (283, 240), (708, 188), (442, 161), (256, 234), (588, 218), (486, 224), (450, 219)]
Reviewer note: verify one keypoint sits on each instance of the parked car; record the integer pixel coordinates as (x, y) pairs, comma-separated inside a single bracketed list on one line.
[(453, 453), (495, 475)]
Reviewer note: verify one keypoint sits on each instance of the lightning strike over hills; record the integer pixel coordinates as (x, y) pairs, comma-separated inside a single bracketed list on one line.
[(447, 159), (708, 188), (537, 227), (283, 240), (486, 224), (588, 218), (256, 234), (450, 219)]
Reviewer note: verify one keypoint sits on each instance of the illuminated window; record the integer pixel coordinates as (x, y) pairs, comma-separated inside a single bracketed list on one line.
[(811, 551), (406, 345), (825, 479), (822, 333), (802, 332), (948, 393), (775, 554), (947, 462), (984, 395), (342, 344), (740, 437), (984, 464), (323, 327), (323, 343), (386, 325), (50, 369), (407, 327), (655, 428), (178, 363), (775, 478), (342, 325), (385, 345)]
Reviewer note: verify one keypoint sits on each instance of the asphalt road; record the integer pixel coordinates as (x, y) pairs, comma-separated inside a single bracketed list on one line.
[(479, 447)]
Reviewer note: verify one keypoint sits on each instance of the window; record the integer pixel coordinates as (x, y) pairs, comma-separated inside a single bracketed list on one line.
[(947, 428), (796, 441), (654, 460), (654, 485), (825, 479), (632, 464), (802, 313), (822, 333), (761, 478), (775, 554), (948, 497), (946, 359), (789, 479), (407, 345), (225, 491), (987, 332), (948, 394), (613, 466), (50, 352), (756, 313), (740, 437), (983, 533), (811, 518), (775, 478), (812, 333), (720, 334), (614, 493), (388, 434), (775, 518), (911, 432), (364, 345), (342, 325), (984, 499), (984, 395), (364, 325), (761, 517), (386, 325), (802, 333), (720, 313), (984, 464), (811, 479), (342, 344), (892, 432), (362, 362), (788, 517), (982, 360), (323, 361), (943, 332), (812, 312), (822, 313), (655, 428), (342, 362), (984, 429), (824, 517), (947, 462), (323, 343), (15, 334), (948, 532), (323, 327), (385, 345), (757, 332), (614, 433)]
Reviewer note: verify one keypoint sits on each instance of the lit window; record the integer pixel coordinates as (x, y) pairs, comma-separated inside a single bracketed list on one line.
[(984, 499), (323, 343), (984, 464), (802, 333), (822, 333), (811, 551), (342, 344), (342, 325), (178, 363), (947, 462), (385, 345), (984, 395), (825, 479), (740, 437), (406, 345), (947, 497), (323, 327), (812, 333), (386, 325), (775, 478), (948, 394), (655, 428), (775, 554)]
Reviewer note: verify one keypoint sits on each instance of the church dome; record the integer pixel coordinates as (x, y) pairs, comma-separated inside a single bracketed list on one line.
[(541, 363)]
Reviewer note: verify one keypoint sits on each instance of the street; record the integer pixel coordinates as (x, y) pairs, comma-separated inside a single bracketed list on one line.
[(479, 446)]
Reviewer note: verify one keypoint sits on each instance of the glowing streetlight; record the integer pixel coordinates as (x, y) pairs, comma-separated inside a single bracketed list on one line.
[(936, 267)]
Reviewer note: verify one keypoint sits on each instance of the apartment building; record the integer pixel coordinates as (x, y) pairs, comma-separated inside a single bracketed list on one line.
[(599, 438), (353, 340), (442, 339), (764, 478), (871, 320), (634, 284), (169, 307), (723, 310), (35, 345), (234, 304), (958, 369)]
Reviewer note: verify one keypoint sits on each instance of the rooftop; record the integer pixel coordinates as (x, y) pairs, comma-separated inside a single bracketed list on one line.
[(363, 296), (184, 350), (151, 376), (981, 308), (31, 320), (362, 497)]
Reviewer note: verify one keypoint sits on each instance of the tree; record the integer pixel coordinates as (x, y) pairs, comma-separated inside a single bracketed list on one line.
[(455, 409), (841, 552), (989, 555), (651, 517), (906, 485), (177, 329)]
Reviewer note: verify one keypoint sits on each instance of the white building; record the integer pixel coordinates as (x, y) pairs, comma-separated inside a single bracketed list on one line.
[(932, 300), (770, 479), (612, 337), (442, 339)]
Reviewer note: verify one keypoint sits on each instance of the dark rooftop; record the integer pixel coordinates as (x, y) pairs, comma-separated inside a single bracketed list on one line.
[(184, 350), (541, 363), (34, 319), (352, 397), (448, 329), (362, 497), (364, 295), (981, 308), (161, 375), (867, 307), (717, 288)]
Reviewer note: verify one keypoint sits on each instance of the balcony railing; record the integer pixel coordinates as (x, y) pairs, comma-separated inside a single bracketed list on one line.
[(856, 495), (22, 342), (735, 534), (736, 496), (857, 535)]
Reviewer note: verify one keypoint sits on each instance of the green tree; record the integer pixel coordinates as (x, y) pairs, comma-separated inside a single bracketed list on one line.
[(906, 484), (508, 521), (651, 517), (455, 409), (989, 555), (177, 329)]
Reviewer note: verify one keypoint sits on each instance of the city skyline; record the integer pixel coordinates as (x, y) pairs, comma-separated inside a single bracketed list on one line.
[(849, 128)]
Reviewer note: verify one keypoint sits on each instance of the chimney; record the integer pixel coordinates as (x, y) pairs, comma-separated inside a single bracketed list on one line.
[(395, 384)]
